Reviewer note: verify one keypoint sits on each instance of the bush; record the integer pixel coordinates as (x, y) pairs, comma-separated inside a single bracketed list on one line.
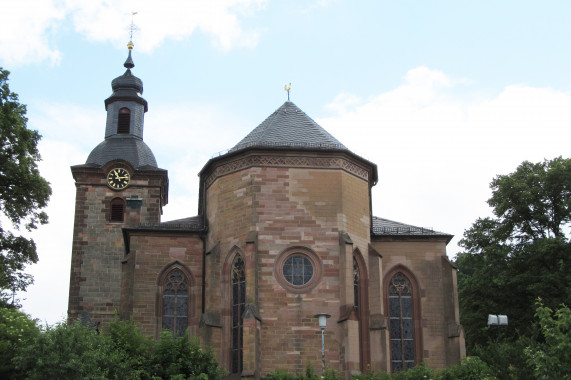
[(63, 352), (74, 351), (174, 356), (16, 330), (470, 369)]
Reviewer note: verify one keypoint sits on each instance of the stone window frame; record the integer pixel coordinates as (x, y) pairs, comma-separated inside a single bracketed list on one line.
[(160, 292), (416, 311), (237, 311), (313, 259), (117, 206), (363, 308), (226, 312)]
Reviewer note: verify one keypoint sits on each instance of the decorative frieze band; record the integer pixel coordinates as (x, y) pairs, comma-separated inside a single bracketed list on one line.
[(287, 161)]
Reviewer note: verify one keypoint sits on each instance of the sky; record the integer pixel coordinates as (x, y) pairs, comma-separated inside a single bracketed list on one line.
[(441, 95)]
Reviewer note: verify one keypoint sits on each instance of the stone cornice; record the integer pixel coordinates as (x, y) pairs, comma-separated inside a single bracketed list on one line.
[(321, 161)]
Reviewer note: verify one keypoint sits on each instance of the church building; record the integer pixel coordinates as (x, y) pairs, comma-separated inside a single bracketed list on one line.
[(284, 233)]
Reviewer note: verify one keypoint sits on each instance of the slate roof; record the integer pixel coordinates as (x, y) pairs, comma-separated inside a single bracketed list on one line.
[(191, 224), (122, 147), (289, 127), (127, 86), (386, 227)]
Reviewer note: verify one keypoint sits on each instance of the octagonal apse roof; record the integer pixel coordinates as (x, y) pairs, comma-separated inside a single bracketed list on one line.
[(289, 127)]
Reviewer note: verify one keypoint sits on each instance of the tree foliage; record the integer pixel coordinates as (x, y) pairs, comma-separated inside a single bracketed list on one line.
[(552, 359), (76, 351), (23, 192), (520, 254)]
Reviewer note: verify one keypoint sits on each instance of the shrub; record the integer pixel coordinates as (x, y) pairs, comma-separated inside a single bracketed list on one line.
[(74, 351), (470, 369), (175, 356), (279, 375), (16, 330), (506, 360), (62, 352)]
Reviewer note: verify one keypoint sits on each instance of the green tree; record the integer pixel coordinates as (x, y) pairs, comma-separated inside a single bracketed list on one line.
[(520, 254), (16, 330), (23, 192), (552, 360)]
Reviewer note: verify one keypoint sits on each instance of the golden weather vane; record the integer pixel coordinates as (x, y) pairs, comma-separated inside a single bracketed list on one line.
[(287, 87)]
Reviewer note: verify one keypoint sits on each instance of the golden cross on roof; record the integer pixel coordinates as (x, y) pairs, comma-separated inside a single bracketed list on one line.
[(287, 87)]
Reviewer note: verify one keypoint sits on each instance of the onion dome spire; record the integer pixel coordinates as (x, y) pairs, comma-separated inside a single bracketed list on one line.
[(127, 86), (129, 62)]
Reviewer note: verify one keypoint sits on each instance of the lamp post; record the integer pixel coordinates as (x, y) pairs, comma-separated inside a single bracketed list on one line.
[(322, 324), (497, 320)]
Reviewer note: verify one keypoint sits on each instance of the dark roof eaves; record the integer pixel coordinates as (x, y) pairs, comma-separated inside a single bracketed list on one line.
[(405, 236), (169, 229)]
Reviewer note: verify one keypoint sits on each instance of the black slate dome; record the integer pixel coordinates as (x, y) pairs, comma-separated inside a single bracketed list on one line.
[(127, 82), (127, 86), (132, 150)]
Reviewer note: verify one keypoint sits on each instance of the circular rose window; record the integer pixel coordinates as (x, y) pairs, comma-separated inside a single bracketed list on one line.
[(298, 269)]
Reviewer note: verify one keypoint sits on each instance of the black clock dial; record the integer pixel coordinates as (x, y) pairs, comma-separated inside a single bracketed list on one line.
[(118, 179)]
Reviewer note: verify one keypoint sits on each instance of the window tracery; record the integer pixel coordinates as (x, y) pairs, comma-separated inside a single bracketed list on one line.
[(401, 323), (238, 275), (175, 302)]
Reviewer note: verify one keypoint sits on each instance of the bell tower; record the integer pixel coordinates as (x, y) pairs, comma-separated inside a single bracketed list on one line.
[(119, 186)]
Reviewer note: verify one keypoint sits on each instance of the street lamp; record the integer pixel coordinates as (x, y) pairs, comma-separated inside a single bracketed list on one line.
[(497, 320), (322, 324)]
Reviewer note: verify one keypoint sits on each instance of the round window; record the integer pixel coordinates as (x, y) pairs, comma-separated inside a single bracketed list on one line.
[(298, 269)]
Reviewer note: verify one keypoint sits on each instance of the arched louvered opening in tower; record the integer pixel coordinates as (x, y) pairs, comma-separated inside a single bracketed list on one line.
[(124, 121)]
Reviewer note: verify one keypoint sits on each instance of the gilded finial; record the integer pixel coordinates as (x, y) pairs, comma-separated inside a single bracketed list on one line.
[(287, 87)]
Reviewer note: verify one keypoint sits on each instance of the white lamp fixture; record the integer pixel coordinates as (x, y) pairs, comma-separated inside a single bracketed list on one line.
[(497, 320), (322, 320), (503, 320)]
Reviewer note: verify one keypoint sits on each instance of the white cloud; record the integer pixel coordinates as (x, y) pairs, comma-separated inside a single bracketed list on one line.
[(176, 19), (29, 27), (25, 31), (437, 152)]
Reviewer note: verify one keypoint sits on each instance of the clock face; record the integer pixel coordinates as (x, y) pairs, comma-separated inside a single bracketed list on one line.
[(118, 179)]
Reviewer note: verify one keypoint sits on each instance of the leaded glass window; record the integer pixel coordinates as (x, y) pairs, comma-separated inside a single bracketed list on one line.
[(401, 323), (297, 270), (175, 302), (238, 305)]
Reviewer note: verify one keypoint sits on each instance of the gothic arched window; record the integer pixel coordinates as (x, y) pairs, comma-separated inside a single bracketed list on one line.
[(176, 301), (238, 305), (124, 121), (401, 322)]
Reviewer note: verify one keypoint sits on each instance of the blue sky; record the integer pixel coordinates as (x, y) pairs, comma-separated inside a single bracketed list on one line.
[(441, 95)]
